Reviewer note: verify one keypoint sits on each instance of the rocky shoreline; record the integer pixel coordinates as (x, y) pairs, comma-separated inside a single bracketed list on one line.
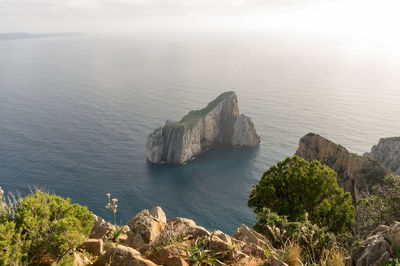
[(217, 124)]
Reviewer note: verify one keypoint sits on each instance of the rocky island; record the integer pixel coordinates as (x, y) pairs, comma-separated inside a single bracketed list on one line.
[(218, 124)]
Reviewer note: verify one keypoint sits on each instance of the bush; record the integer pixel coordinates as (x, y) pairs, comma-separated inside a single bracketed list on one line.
[(378, 206), (10, 244), (43, 229), (296, 187), (313, 240)]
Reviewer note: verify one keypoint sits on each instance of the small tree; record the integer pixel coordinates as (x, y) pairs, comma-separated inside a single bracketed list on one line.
[(41, 228), (295, 187)]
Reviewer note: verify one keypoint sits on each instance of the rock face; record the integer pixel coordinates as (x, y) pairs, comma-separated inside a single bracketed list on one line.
[(100, 228), (94, 246), (387, 152), (124, 256), (244, 132), (169, 256), (217, 124), (377, 248), (145, 228), (355, 173), (251, 242)]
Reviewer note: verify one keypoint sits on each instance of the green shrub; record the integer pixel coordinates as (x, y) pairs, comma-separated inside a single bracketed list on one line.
[(10, 244), (313, 240), (43, 229), (295, 187), (378, 206)]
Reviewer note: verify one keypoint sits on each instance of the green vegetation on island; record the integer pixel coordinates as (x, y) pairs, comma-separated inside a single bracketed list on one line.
[(195, 115)]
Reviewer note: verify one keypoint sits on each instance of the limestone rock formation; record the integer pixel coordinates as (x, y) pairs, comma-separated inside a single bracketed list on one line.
[(217, 124), (244, 132), (100, 228), (377, 248), (387, 151), (124, 256), (251, 243), (355, 173), (94, 246), (170, 256), (145, 228)]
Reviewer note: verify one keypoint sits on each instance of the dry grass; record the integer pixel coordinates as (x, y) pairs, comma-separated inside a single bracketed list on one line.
[(335, 258), (293, 254)]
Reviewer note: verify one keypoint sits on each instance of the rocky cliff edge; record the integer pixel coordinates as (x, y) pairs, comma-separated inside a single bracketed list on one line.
[(354, 173), (387, 151)]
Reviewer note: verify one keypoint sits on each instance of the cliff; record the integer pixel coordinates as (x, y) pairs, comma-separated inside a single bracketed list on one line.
[(387, 151), (217, 124), (355, 173)]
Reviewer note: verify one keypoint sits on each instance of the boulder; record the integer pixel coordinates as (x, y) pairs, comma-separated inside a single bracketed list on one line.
[(158, 213), (145, 228), (100, 228), (235, 255), (395, 233), (134, 240), (169, 256), (198, 231), (253, 250), (376, 248), (94, 246), (122, 256), (218, 244), (224, 237), (251, 242), (249, 236), (181, 227)]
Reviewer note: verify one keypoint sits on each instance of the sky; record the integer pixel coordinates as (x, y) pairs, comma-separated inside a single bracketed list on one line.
[(351, 17)]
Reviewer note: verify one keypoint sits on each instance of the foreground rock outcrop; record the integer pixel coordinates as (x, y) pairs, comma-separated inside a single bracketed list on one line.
[(387, 151), (154, 240), (377, 248), (355, 173), (217, 124)]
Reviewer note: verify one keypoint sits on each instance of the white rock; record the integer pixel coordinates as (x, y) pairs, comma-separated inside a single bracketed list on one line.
[(158, 213), (179, 142), (244, 132)]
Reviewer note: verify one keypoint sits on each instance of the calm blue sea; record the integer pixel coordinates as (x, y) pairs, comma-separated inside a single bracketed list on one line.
[(75, 113)]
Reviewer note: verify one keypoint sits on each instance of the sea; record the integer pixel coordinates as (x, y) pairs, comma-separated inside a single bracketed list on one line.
[(75, 112)]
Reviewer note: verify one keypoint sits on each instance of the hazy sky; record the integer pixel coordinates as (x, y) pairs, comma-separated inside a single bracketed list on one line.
[(336, 16)]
